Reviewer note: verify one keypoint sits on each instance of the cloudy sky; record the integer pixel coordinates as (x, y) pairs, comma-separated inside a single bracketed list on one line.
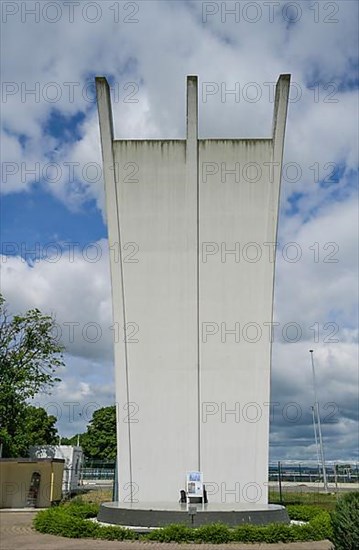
[(54, 236)]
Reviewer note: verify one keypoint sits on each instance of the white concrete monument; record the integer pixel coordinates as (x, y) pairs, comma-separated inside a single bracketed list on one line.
[(192, 225)]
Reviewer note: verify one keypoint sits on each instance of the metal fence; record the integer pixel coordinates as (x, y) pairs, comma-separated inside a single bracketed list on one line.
[(98, 473), (294, 472), (307, 472), (98, 469)]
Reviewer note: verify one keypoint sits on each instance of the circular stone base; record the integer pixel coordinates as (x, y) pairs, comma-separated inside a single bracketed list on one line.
[(160, 514)]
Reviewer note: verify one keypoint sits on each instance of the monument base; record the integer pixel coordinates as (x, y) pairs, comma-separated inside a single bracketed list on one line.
[(160, 514)]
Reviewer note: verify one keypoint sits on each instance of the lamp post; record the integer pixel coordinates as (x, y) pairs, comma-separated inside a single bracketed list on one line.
[(316, 441), (316, 406)]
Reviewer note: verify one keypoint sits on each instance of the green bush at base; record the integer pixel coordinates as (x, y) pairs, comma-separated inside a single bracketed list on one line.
[(60, 521), (81, 509), (72, 520), (317, 529), (171, 533), (216, 533), (345, 522), (303, 512)]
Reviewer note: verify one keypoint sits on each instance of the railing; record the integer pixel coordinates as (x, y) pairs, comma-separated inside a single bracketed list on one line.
[(309, 473), (97, 473), (290, 472)]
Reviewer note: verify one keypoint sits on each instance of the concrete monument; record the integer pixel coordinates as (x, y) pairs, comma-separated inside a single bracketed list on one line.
[(192, 225)]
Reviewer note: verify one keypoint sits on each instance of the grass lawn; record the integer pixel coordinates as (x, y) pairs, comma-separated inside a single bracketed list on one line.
[(325, 501), (97, 495)]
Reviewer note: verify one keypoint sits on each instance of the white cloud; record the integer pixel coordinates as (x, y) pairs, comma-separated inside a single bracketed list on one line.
[(322, 285), (74, 400), (74, 288), (220, 51), (171, 40)]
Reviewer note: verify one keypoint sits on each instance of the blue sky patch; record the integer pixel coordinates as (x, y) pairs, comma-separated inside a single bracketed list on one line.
[(21, 235), (64, 127)]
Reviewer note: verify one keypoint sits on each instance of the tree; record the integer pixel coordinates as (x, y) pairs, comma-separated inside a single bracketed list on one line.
[(71, 440), (99, 442), (29, 358), (36, 428)]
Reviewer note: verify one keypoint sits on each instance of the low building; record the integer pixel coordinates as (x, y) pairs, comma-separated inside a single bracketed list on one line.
[(30, 483)]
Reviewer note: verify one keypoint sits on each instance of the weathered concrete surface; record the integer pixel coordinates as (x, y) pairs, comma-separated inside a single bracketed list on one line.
[(192, 388), (16, 532)]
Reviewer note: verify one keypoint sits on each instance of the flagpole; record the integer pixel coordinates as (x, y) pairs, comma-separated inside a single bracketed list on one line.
[(316, 405)]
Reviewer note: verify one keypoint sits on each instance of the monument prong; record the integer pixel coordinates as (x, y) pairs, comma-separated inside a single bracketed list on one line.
[(280, 111), (192, 108), (116, 268)]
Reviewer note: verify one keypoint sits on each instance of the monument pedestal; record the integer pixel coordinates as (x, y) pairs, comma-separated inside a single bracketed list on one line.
[(192, 515)]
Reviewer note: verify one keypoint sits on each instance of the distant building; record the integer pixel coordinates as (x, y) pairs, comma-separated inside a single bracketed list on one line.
[(73, 457)]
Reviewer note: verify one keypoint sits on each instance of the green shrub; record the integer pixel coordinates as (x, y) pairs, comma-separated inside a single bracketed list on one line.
[(275, 532), (171, 533), (303, 533), (81, 509), (303, 512), (278, 532), (318, 528), (248, 533), (215, 533), (71, 520), (115, 533), (345, 523), (58, 521), (322, 526)]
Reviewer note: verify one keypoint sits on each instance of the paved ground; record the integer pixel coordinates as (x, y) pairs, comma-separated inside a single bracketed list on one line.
[(16, 533)]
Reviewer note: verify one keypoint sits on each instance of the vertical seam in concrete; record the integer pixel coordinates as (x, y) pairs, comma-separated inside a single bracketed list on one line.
[(192, 175), (198, 304), (125, 335)]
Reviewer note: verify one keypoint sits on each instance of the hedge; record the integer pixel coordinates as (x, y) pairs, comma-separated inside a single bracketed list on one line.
[(72, 520), (345, 522), (317, 529), (303, 512)]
